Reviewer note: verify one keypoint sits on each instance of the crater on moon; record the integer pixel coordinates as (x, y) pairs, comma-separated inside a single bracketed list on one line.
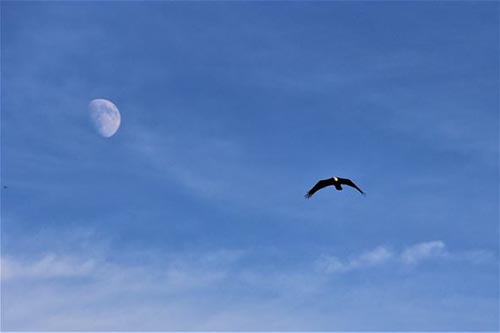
[(105, 117)]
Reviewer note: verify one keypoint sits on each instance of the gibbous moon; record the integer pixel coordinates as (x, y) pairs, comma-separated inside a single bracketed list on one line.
[(105, 117)]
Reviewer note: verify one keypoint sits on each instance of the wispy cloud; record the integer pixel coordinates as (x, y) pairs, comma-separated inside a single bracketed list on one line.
[(332, 264), (47, 267), (409, 256), (419, 252), (214, 290), (211, 168)]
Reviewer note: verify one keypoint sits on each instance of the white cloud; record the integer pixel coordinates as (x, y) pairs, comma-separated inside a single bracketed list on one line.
[(48, 266), (419, 252), (410, 256), (216, 290), (332, 264), (377, 256)]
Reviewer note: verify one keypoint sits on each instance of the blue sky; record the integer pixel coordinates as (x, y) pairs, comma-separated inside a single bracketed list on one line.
[(192, 216)]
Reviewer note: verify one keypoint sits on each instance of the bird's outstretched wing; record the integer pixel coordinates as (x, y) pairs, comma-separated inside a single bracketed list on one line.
[(319, 185), (348, 182)]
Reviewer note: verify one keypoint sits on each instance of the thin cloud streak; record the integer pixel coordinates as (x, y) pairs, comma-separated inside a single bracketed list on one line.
[(48, 267), (198, 291), (211, 290), (409, 256), (422, 251)]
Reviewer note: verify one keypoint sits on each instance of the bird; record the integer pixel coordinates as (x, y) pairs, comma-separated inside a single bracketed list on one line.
[(334, 181)]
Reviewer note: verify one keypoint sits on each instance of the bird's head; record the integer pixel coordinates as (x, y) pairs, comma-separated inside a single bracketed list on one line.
[(336, 179)]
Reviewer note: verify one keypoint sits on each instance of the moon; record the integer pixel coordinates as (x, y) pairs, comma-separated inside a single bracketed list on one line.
[(105, 117)]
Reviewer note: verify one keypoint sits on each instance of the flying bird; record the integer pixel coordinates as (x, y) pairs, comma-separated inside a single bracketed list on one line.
[(334, 181)]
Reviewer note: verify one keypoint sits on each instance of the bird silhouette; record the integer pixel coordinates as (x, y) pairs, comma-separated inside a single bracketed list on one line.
[(334, 181)]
